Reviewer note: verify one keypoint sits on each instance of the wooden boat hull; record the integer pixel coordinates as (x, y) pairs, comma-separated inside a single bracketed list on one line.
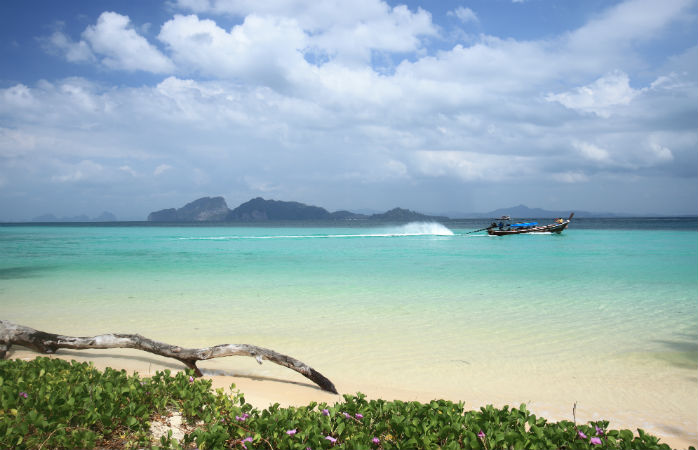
[(552, 228)]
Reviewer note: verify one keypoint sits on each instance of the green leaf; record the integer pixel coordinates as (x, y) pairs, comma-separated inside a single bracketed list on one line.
[(626, 435)]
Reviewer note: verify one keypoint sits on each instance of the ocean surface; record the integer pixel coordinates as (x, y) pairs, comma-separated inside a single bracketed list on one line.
[(605, 313)]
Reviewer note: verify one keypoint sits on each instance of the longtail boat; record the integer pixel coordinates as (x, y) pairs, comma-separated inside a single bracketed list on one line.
[(528, 227)]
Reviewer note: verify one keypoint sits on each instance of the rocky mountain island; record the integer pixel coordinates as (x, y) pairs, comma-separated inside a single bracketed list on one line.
[(215, 209)]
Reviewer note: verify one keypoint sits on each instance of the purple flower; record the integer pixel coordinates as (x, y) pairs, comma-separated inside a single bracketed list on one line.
[(581, 435), (191, 379), (481, 435), (595, 441), (359, 416), (346, 415), (23, 394), (331, 439), (247, 439), (599, 431), (325, 412), (292, 432), (242, 417), (376, 441)]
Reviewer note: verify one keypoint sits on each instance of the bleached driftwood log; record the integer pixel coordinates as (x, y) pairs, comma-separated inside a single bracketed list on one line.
[(43, 342)]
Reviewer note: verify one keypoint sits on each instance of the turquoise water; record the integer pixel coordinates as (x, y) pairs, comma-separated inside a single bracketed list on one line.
[(409, 307), (328, 278)]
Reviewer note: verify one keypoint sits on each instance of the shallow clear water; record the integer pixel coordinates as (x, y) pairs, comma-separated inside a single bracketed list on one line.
[(406, 306)]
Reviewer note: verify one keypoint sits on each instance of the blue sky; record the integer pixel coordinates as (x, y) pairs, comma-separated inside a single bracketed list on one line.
[(439, 107)]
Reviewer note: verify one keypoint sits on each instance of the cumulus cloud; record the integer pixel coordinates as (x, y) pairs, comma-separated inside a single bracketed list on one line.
[(129, 170), (592, 152), (570, 177), (14, 143), (72, 51), (18, 96), (289, 101), (396, 30), (261, 48), (333, 29), (162, 168), (628, 22), (114, 43), (463, 14), (77, 172), (599, 97), (471, 166), (122, 48), (660, 153)]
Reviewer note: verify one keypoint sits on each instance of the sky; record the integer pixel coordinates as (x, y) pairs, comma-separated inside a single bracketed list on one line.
[(439, 107)]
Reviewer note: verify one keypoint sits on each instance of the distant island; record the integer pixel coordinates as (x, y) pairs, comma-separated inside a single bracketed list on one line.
[(105, 216), (215, 209)]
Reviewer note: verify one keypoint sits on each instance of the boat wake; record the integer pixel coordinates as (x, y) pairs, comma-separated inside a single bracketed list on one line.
[(423, 229), (410, 229)]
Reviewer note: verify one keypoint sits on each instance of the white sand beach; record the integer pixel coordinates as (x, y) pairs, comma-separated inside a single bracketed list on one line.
[(659, 416)]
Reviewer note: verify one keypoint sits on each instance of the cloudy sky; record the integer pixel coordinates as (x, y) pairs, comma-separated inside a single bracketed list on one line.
[(439, 107)]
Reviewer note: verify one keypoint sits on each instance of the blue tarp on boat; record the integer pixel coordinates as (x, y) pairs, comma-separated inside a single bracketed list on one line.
[(524, 224)]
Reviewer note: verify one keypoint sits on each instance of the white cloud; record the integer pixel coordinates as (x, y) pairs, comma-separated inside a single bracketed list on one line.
[(122, 48), (396, 169), (72, 51), (288, 101), (600, 97), (261, 49), (85, 169), (592, 152), (609, 38), (463, 14), (162, 168), (18, 96), (472, 166), (660, 153), (392, 30), (335, 29), (15, 143), (627, 22), (570, 177), (128, 170), (260, 185)]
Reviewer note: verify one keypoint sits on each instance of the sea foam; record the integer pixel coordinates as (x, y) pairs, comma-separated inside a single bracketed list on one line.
[(423, 229)]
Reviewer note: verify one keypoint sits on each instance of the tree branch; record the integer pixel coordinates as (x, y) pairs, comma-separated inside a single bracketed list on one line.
[(43, 342)]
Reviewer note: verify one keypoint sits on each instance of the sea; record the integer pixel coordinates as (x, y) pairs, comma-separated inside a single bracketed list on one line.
[(604, 314)]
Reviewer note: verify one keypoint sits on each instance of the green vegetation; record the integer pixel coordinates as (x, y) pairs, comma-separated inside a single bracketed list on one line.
[(51, 403)]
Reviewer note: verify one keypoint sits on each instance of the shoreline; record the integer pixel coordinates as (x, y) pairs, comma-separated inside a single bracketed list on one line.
[(288, 388)]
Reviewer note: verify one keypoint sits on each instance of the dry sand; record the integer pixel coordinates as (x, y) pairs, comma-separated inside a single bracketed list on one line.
[(283, 386)]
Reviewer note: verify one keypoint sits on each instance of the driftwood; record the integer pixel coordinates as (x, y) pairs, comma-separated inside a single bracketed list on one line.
[(43, 342)]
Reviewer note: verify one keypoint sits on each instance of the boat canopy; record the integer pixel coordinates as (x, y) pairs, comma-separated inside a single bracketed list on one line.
[(523, 224)]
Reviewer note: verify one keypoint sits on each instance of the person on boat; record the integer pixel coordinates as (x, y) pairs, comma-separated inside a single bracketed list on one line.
[(501, 225), (559, 220)]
